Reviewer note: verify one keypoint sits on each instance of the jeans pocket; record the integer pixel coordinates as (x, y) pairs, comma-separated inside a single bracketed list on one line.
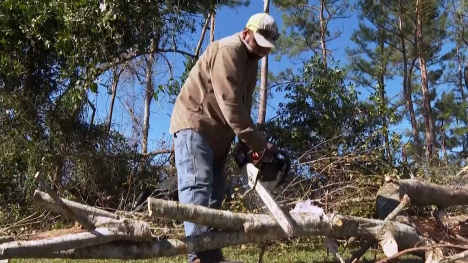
[(184, 160)]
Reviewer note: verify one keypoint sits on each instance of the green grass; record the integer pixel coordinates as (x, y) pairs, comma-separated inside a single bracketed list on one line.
[(278, 253)]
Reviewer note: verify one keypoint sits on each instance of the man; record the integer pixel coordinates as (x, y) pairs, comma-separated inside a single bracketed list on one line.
[(212, 108)]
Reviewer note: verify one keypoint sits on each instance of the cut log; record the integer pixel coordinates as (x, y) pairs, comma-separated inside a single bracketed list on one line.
[(44, 201), (332, 225), (134, 229), (30, 249), (6, 239), (214, 240), (384, 235), (389, 245), (420, 192), (62, 206), (220, 219)]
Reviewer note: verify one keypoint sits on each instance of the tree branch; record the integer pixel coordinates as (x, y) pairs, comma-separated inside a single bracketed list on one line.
[(61, 206)]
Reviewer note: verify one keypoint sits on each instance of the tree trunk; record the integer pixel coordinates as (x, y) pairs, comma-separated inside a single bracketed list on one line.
[(330, 225), (420, 192), (407, 76), (30, 249), (99, 218), (442, 131), (212, 27), (463, 96), (200, 41), (383, 100), (114, 94), (263, 80), (44, 201), (323, 31), (115, 83), (414, 122), (428, 118), (149, 90)]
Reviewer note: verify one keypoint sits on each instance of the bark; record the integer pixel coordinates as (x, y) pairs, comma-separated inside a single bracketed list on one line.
[(30, 249), (305, 224), (387, 239), (136, 230), (44, 201), (158, 152), (93, 109), (6, 239), (310, 225), (407, 85), (115, 83), (463, 96), (428, 118), (383, 100), (82, 245), (443, 140), (61, 206), (263, 80), (263, 91), (414, 122), (200, 41), (323, 31), (212, 27), (420, 192), (149, 90)]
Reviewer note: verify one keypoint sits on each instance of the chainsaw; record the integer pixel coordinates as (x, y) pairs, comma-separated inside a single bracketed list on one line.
[(264, 173)]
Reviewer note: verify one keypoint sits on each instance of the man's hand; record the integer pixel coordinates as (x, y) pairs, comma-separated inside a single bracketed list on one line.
[(269, 153)]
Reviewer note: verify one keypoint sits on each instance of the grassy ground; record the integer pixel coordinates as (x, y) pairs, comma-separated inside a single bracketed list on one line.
[(277, 253)]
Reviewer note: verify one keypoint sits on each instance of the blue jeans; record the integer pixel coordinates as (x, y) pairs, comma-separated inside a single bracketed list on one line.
[(201, 180)]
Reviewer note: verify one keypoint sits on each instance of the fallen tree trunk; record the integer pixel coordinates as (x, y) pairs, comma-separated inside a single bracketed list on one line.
[(98, 236), (169, 247), (44, 201), (420, 192), (6, 239), (61, 205), (307, 225), (134, 229), (332, 225)]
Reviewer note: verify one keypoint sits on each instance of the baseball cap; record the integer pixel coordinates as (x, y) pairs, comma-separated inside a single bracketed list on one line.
[(264, 28)]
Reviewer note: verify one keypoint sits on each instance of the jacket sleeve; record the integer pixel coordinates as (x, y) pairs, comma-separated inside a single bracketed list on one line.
[(226, 75)]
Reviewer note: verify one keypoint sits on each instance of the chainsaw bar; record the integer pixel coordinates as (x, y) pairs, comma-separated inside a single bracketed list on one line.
[(253, 173)]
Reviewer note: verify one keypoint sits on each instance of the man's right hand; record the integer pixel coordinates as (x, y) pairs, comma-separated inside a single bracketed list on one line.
[(269, 153)]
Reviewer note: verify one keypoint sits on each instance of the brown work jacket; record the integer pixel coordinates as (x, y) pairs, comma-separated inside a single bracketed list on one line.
[(216, 98)]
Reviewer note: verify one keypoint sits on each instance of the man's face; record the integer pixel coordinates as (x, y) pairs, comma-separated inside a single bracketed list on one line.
[(250, 39)]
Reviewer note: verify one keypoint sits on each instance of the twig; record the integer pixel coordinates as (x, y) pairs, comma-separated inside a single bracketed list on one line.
[(455, 257), (165, 151), (23, 221), (359, 253), (410, 250), (65, 209), (404, 202), (262, 252)]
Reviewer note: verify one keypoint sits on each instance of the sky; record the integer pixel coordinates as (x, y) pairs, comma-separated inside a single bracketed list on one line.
[(228, 22)]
